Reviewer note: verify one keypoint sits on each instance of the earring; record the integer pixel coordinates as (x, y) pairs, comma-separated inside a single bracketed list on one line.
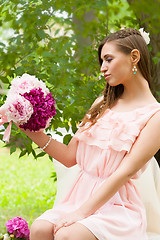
[(134, 69)]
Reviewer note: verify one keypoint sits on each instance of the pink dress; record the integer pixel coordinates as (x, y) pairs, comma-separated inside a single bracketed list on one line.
[(100, 151)]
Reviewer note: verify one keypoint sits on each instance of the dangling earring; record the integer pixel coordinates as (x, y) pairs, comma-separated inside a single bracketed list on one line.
[(134, 69)]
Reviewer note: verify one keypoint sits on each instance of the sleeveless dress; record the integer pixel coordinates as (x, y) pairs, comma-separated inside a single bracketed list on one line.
[(101, 148)]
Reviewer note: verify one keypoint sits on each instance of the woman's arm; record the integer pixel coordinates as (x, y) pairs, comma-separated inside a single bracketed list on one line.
[(146, 145), (65, 154)]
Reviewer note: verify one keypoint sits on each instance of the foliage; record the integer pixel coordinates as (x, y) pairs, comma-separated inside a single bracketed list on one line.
[(26, 187), (147, 14), (57, 42)]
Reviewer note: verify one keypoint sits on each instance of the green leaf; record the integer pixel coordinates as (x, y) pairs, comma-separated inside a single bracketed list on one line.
[(22, 153), (41, 154), (56, 32), (50, 158), (54, 176), (34, 153), (2, 44), (59, 133), (67, 138), (12, 149), (41, 33)]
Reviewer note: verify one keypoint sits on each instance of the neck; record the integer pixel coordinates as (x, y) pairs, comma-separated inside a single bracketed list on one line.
[(137, 89)]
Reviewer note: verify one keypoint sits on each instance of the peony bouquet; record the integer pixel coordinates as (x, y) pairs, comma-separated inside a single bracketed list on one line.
[(17, 228), (29, 104)]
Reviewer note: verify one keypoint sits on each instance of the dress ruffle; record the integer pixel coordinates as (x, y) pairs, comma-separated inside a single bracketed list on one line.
[(115, 130)]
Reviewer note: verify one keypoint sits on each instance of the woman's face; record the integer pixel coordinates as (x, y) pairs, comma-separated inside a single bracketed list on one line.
[(116, 66)]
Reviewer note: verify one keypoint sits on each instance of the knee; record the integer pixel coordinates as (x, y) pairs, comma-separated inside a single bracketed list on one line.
[(37, 228), (40, 229), (62, 234)]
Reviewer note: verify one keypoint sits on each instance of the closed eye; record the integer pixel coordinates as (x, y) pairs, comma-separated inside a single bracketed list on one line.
[(109, 59)]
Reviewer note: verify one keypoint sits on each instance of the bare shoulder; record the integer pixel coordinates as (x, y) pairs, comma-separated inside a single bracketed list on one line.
[(154, 121), (151, 130), (97, 100), (145, 146)]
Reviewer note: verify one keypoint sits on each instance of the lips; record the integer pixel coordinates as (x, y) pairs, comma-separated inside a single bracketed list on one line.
[(107, 76)]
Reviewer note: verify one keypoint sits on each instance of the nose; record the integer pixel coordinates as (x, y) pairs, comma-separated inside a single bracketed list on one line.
[(104, 67)]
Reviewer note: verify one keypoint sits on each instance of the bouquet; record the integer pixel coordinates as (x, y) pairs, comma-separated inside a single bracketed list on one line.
[(17, 228), (29, 104)]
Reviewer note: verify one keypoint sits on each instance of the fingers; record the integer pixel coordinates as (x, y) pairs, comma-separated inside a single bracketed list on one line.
[(58, 226), (67, 220), (61, 224)]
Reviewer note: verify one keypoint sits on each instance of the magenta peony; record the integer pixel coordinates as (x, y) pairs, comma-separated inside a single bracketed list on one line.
[(18, 227), (43, 109)]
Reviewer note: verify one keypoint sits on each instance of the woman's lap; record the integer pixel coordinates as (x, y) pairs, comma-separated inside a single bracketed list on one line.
[(76, 231)]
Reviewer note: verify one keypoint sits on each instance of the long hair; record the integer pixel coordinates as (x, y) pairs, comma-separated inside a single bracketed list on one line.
[(126, 40)]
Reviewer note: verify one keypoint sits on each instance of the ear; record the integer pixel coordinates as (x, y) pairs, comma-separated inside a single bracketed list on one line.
[(135, 56)]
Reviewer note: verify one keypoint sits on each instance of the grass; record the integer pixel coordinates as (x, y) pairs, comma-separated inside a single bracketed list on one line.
[(26, 187)]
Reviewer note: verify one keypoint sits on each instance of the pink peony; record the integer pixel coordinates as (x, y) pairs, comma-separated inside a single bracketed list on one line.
[(25, 83), (17, 109), (18, 227)]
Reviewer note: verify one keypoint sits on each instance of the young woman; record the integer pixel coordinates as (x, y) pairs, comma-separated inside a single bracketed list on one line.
[(117, 137)]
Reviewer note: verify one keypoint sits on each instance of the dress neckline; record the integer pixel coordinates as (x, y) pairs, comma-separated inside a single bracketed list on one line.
[(136, 109)]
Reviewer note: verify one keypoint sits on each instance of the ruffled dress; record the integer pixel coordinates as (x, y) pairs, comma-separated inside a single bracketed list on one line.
[(101, 148)]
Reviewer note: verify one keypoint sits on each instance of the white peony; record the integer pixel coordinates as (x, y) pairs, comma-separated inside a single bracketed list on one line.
[(145, 35)]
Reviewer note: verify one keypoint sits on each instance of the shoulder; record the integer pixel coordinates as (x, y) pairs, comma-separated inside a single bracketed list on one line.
[(98, 100), (152, 126), (155, 118), (148, 114)]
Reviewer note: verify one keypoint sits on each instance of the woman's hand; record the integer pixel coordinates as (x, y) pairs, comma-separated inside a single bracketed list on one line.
[(55, 149), (68, 219)]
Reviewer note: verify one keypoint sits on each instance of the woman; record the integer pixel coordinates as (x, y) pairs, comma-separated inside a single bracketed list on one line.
[(117, 137)]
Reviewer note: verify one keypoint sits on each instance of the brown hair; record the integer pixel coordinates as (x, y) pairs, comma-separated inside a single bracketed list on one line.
[(126, 40)]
